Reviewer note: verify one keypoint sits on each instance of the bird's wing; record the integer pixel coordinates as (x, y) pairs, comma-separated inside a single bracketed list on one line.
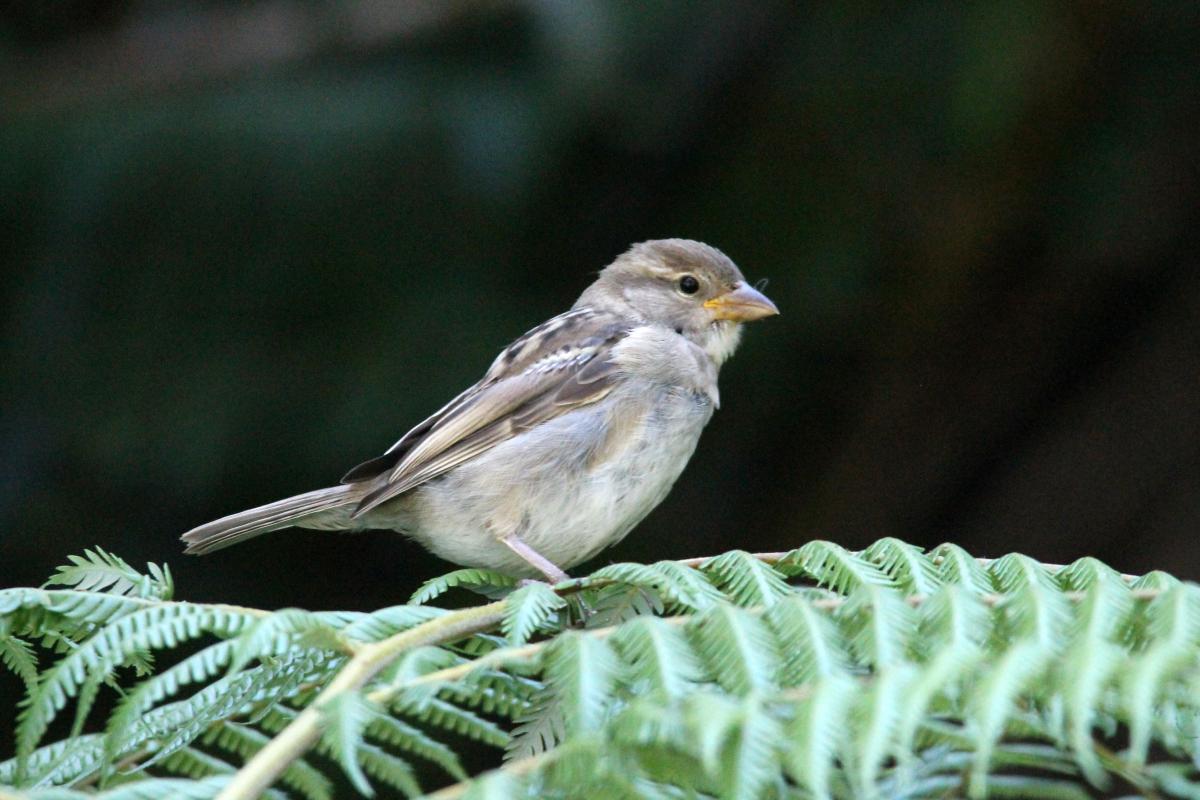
[(559, 365)]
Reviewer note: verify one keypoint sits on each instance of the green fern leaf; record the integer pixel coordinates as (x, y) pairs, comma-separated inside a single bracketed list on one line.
[(956, 627), (1156, 582), (1091, 657), (175, 789), (1084, 573), (387, 768), (737, 743), (245, 742), (485, 581), (192, 763), (197, 668), (580, 671), (681, 588), (450, 717), (1173, 620), (877, 719), (658, 656), (344, 719), (175, 725), (809, 641), (879, 624), (833, 566), (276, 634), (100, 571), (61, 762), (413, 740), (157, 626), (736, 647), (529, 608), (19, 657), (616, 603), (1034, 604), (993, 701), (745, 580), (908, 567), (389, 621), (539, 730), (817, 731), (957, 566)]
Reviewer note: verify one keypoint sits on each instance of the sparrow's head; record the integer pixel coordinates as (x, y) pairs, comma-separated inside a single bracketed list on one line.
[(685, 285)]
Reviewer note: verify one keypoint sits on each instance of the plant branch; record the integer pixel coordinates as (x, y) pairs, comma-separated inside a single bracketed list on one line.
[(269, 763)]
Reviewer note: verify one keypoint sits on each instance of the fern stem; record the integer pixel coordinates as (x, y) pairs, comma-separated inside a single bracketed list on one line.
[(269, 763)]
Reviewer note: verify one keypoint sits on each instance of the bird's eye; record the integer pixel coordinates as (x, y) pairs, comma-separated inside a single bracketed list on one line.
[(689, 285)]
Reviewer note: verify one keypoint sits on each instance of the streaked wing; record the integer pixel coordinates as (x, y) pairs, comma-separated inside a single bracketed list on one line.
[(562, 364)]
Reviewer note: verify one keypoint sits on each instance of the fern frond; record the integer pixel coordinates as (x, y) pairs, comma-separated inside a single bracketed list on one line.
[(244, 742), (19, 657), (680, 587), (908, 567), (901, 674), (658, 656), (528, 609), (158, 626), (994, 699), (817, 731), (832, 565), (745, 580), (413, 740), (957, 566), (484, 581), (1034, 604), (344, 720), (580, 672), (100, 571), (809, 641), (879, 625), (736, 647), (1173, 631)]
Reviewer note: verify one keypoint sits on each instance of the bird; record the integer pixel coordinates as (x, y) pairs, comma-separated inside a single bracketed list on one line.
[(577, 430)]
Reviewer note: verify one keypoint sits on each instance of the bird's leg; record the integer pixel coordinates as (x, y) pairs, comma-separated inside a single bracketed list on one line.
[(535, 559)]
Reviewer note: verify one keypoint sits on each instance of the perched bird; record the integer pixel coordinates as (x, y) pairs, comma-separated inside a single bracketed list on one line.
[(577, 431)]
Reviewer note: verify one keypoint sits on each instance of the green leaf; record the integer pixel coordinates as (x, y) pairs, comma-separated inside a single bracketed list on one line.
[(100, 571), (529, 608), (957, 566), (744, 579), (682, 588), (833, 566), (19, 657), (818, 730), (580, 672), (994, 700), (658, 654), (809, 641), (906, 565), (482, 580), (1035, 605), (1173, 620), (736, 647), (879, 624), (344, 719)]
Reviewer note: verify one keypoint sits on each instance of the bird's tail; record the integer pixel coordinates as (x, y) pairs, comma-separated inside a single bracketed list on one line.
[(328, 509)]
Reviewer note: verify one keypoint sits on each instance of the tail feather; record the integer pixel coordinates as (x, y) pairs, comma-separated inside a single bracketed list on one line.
[(329, 509)]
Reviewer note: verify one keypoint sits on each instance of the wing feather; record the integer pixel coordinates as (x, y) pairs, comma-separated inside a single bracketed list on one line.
[(562, 364)]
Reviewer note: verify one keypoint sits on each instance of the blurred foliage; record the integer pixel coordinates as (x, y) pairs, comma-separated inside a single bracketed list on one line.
[(245, 246)]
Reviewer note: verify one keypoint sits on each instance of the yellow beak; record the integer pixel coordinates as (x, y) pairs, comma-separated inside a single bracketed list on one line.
[(743, 304)]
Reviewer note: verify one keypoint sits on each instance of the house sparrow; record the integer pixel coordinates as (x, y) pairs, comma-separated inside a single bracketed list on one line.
[(577, 431)]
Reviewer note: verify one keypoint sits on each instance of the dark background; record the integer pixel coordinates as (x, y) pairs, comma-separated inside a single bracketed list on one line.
[(247, 245)]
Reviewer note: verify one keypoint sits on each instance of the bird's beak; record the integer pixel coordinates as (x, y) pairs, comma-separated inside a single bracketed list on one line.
[(743, 304)]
